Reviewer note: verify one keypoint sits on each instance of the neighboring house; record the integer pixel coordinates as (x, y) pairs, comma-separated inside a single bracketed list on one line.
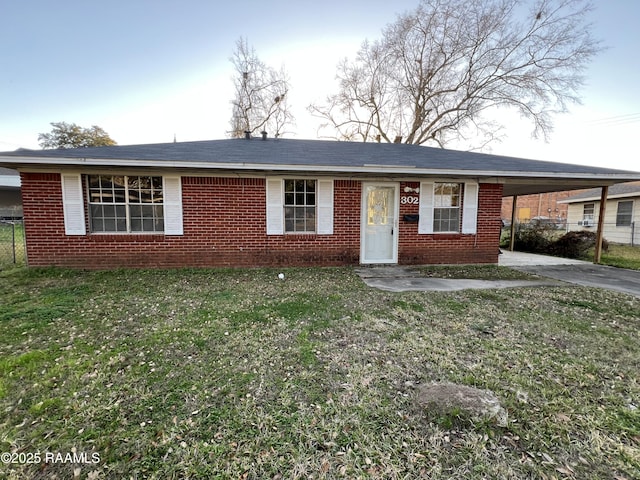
[(545, 205), (252, 202), (10, 200), (622, 212)]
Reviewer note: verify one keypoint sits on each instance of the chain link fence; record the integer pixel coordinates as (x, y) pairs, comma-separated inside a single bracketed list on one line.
[(613, 232), (12, 244)]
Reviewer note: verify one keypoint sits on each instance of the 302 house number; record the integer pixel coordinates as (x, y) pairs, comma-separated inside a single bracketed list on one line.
[(410, 200)]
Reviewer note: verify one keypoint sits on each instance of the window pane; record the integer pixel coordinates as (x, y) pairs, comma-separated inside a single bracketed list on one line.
[(311, 185), (96, 211), (311, 199), (588, 211), (97, 225), (111, 195), (145, 196), (135, 211), (310, 219), (289, 198), (289, 186), (109, 211), (118, 181), (446, 219), (288, 219), (146, 211), (147, 225), (136, 224), (300, 200), (624, 214), (121, 211)]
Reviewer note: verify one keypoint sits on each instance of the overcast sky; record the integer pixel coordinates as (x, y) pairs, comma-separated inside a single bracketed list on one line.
[(146, 70)]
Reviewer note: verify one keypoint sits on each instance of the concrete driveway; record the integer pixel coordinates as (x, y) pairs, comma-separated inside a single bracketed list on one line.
[(575, 271), (555, 271)]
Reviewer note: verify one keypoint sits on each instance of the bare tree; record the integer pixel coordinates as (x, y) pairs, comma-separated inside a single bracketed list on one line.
[(440, 71), (261, 95)]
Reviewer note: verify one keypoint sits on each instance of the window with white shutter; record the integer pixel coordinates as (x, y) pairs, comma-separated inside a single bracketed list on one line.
[(73, 204), (173, 205), (442, 211), (299, 205)]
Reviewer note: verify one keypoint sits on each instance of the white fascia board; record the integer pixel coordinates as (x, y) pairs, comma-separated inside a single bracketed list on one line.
[(10, 181), (607, 179)]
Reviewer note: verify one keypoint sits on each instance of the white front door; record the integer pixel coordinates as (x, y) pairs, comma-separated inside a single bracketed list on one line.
[(379, 229)]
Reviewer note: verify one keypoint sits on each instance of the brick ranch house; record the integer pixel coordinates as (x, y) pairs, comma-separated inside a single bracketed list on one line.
[(253, 202)]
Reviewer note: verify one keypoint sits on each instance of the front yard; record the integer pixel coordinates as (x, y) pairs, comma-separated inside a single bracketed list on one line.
[(238, 374)]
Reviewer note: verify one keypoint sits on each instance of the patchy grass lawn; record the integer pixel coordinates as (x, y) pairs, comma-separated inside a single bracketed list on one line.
[(236, 374), (623, 256), (474, 272)]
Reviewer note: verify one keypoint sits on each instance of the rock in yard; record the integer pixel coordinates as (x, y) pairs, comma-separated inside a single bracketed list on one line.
[(446, 397)]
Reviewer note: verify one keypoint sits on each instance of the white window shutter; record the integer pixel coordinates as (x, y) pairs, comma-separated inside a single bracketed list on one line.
[(425, 221), (173, 205), (325, 207), (73, 204), (470, 208), (275, 206)]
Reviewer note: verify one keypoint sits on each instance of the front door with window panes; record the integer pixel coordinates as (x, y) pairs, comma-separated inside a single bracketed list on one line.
[(379, 236)]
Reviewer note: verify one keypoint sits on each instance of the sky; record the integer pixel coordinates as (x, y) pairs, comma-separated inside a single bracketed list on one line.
[(149, 71)]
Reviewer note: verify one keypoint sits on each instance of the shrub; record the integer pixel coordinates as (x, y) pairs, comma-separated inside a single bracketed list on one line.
[(534, 238), (576, 244)]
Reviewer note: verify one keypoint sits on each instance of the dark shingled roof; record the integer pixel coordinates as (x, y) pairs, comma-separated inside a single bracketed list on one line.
[(313, 153), (631, 189), (282, 155)]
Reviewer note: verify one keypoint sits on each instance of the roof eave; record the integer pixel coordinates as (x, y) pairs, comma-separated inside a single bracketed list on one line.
[(22, 162)]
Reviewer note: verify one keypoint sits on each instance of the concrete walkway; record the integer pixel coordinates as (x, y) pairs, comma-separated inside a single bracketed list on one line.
[(555, 271), (398, 278)]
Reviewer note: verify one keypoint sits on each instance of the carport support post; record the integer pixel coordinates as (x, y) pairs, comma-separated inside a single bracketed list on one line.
[(599, 234), (512, 233)]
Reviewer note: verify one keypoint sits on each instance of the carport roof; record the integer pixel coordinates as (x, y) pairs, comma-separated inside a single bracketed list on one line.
[(354, 159)]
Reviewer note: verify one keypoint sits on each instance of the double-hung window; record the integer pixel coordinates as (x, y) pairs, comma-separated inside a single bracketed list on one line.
[(624, 214), (125, 203), (299, 206), (588, 212), (446, 212)]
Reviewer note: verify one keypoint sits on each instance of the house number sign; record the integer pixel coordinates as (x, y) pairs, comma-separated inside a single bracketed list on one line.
[(410, 200)]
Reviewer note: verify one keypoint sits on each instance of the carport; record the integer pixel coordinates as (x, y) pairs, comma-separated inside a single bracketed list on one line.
[(574, 179)]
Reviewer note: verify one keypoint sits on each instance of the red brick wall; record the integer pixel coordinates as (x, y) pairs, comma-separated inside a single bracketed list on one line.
[(453, 248), (225, 225)]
